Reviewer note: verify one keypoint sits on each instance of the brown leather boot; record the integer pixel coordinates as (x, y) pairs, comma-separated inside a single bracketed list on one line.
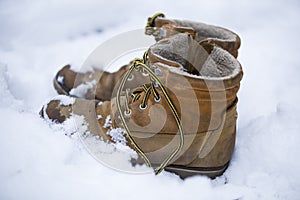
[(180, 120), (99, 84), (160, 27), (87, 85)]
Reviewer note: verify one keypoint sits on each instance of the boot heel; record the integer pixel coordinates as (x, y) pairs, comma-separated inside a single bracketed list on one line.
[(185, 172)]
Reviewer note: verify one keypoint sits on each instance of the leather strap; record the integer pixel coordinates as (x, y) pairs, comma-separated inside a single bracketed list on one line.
[(206, 35), (169, 28)]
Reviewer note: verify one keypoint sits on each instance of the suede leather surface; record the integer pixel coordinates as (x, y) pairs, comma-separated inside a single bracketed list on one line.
[(201, 76), (206, 106)]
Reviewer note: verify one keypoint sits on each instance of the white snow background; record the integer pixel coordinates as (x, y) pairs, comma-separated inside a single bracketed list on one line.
[(38, 161)]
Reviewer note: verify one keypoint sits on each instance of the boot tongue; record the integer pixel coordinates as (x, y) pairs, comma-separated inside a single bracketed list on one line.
[(180, 50)]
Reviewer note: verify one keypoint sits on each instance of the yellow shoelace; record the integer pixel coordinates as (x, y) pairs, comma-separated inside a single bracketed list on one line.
[(140, 65), (150, 29)]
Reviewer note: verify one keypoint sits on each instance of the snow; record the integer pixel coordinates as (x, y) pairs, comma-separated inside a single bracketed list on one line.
[(117, 135), (64, 100), (107, 122), (60, 79), (82, 89), (38, 160)]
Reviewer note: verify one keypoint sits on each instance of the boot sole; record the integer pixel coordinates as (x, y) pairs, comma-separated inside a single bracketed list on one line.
[(185, 172), (61, 89)]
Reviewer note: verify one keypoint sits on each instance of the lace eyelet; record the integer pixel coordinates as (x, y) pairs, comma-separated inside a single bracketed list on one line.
[(143, 108), (145, 74), (158, 71), (157, 100), (130, 78), (155, 84), (127, 114)]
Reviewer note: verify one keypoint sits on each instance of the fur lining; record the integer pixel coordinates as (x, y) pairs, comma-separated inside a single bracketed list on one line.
[(218, 64)]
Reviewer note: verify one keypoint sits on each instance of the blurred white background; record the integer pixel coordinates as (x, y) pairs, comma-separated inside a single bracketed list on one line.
[(39, 162)]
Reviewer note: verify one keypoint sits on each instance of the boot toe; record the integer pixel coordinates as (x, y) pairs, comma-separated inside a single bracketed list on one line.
[(64, 80), (57, 110)]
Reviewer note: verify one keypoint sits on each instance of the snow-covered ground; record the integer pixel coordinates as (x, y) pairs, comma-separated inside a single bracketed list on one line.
[(38, 161)]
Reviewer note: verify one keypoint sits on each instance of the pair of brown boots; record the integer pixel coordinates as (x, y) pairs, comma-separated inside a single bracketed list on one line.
[(176, 106)]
